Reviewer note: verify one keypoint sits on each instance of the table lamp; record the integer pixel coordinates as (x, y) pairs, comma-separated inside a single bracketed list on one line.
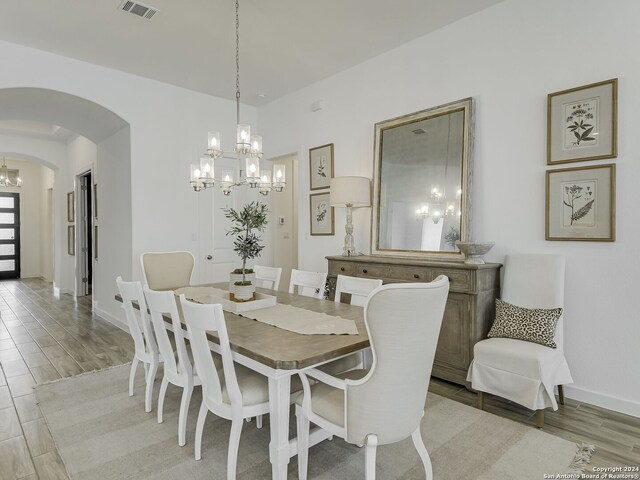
[(350, 192)]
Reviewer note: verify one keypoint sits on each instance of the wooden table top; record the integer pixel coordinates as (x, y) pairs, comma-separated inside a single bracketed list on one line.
[(282, 349)]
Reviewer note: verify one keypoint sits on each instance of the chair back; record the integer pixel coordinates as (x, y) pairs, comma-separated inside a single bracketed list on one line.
[(203, 318), (403, 322), (160, 304), (310, 284), (167, 270), (359, 288), (143, 338), (535, 281), (267, 277)]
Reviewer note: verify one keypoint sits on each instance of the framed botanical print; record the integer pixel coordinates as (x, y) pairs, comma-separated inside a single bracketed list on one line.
[(321, 214), (70, 207), (580, 204), (321, 166), (582, 123)]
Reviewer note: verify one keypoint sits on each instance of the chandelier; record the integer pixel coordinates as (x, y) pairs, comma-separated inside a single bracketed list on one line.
[(439, 206), (9, 178), (247, 152)]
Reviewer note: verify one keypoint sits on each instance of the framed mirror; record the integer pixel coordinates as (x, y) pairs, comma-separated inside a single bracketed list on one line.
[(422, 182)]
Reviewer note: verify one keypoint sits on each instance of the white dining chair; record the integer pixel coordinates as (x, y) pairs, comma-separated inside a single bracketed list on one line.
[(267, 277), (235, 392), (385, 404), (358, 288), (525, 372), (178, 372), (310, 284), (146, 348), (167, 270)]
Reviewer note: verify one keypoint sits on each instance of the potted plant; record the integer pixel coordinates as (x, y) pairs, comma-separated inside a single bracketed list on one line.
[(253, 216)]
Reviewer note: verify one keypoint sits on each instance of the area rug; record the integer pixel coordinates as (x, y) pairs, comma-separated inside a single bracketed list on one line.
[(102, 433)]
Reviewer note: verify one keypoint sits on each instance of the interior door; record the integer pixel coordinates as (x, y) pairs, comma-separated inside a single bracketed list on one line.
[(9, 235)]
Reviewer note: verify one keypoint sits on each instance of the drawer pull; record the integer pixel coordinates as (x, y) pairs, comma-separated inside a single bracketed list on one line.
[(415, 275), (342, 269), (365, 271)]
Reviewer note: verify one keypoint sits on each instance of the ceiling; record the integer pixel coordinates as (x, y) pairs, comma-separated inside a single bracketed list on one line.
[(285, 44), (45, 131)]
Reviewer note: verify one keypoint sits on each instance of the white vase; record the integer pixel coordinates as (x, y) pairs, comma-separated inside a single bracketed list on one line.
[(244, 292), (237, 277)]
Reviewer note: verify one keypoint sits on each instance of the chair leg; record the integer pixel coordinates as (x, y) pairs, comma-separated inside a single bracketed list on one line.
[(303, 443), (259, 421), (151, 378), (132, 374), (202, 416), (184, 412), (146, 369), (539, 418), (480, 400), (370, 457), (422, 451), (163, 392), (561, 394), (234, 443)]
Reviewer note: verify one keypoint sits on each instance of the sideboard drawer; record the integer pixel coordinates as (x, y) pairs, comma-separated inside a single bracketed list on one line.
[(342, 268), (460, 280), (409, 274), (372, 271)]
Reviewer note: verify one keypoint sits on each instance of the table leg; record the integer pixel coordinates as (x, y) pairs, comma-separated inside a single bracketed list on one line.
[(279, 392)]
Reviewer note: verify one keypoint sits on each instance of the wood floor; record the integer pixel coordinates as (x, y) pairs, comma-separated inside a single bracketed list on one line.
[(44, 337)]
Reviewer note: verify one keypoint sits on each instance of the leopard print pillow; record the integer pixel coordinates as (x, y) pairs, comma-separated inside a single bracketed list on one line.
[(536, 325)]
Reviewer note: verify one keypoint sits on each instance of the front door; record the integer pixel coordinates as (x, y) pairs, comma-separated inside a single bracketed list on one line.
[(9, 235)]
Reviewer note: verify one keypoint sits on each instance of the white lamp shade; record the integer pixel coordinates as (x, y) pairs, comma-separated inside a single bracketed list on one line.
[(354, 191)]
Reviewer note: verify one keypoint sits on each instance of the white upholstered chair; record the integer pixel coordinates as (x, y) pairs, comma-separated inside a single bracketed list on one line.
[(235, 392), (167, 270), (146, 348), (310, 284), (525, 372), (267, 277), (358, 288), (177, 371), (385, 404)]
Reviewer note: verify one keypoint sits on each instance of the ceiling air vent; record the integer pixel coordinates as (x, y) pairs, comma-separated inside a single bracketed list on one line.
[(138, 9)]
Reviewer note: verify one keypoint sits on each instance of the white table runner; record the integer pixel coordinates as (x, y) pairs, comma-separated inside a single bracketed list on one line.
[(287, 317)]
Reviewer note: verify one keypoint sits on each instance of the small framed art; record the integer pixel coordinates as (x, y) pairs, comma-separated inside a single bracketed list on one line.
[(580, 203), (321, 166), (321, 214), (70, 207), (582, 123), (71, 240)]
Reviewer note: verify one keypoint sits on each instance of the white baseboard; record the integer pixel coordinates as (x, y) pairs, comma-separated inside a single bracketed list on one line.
[(111, 319), (621, 405)]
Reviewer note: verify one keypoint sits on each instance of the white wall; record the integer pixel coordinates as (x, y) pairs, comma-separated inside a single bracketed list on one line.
[(168, 130), (508, 58), (46, 224)]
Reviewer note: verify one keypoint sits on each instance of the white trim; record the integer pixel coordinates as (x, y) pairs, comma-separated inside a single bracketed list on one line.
[(111, 319), (609, 402)]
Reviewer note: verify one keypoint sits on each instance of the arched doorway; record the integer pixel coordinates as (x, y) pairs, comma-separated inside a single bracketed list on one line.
[(112, 227)]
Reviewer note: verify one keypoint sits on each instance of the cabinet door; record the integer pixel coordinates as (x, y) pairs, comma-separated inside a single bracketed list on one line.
[(453, 343)]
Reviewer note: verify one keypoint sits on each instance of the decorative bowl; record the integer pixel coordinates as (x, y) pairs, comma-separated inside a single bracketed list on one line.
[(473, 251)]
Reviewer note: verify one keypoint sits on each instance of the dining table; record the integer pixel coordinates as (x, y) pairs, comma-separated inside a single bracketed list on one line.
[(279, 354)]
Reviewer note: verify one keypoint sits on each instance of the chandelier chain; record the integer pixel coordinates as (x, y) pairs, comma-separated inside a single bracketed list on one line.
[(238, 61)]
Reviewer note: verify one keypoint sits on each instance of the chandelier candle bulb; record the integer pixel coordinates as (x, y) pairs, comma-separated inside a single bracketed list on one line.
[(206, 171), (253, 171), (242, 138), (256, 145), (214, 148), (195, 182), (265, 182), (279, 179)]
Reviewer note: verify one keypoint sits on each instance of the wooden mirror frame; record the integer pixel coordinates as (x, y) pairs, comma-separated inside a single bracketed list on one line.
[(467, 107)]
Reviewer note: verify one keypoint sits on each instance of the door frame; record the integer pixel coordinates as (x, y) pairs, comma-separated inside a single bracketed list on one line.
[(79, 254)]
